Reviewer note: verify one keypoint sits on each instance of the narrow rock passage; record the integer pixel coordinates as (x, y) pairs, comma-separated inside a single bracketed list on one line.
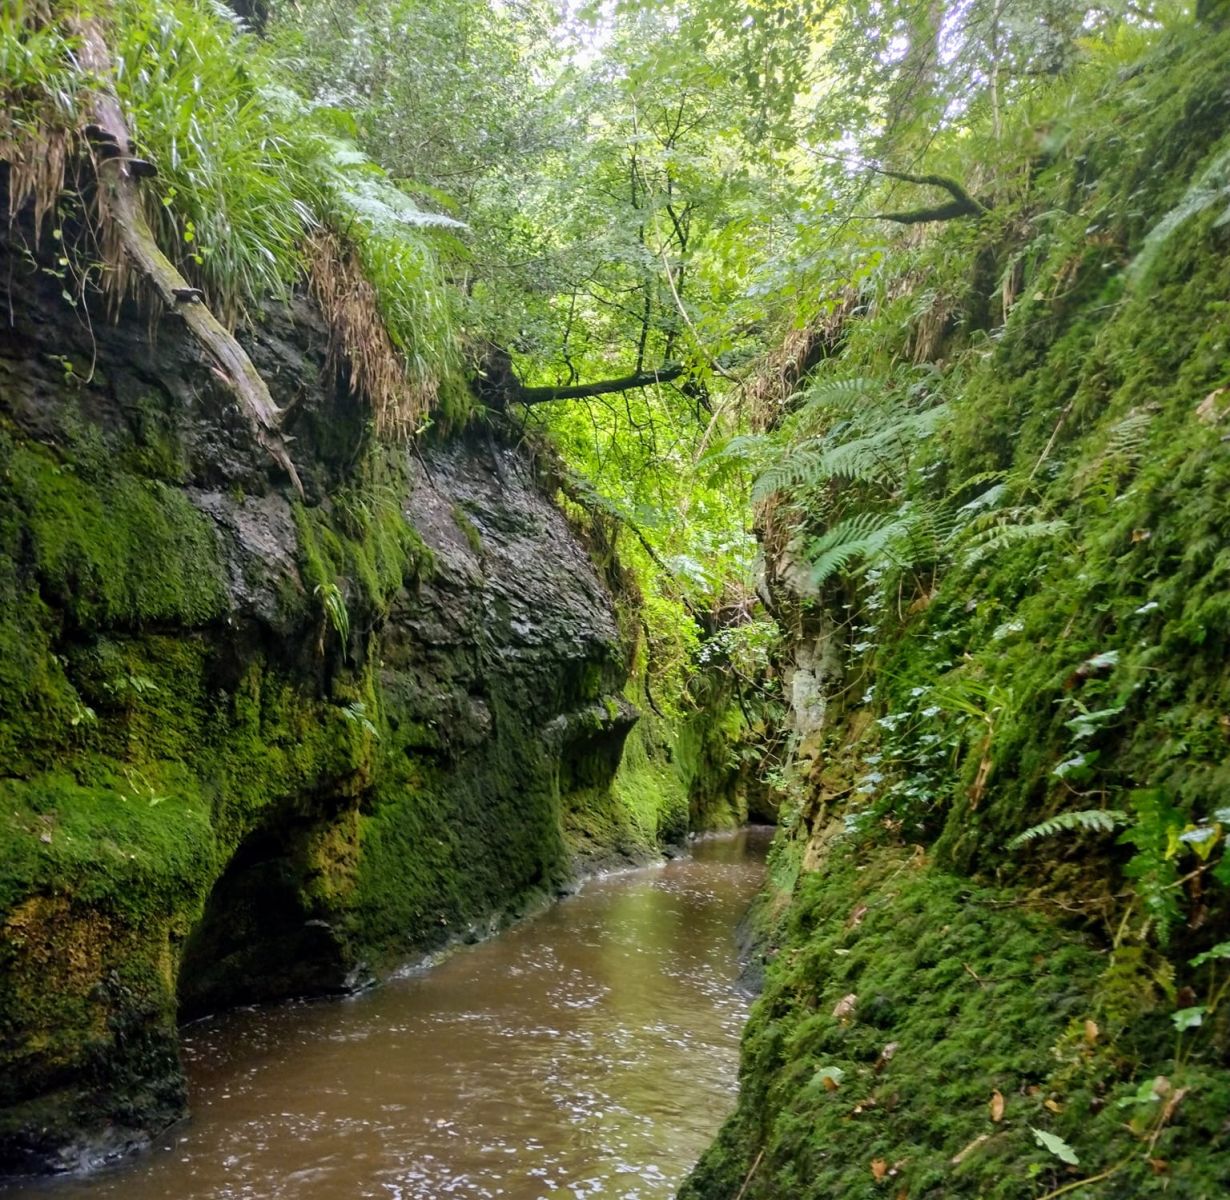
[(590, 1052)]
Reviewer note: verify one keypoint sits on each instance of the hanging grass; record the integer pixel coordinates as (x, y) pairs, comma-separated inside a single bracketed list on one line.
[(378, 268), (236, 190), (360, 341), (38, 94)]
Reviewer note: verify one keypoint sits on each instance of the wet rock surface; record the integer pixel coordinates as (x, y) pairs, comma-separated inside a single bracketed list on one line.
[(254, 746)]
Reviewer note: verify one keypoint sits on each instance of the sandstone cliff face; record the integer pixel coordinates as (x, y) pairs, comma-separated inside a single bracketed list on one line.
[(253, 746)]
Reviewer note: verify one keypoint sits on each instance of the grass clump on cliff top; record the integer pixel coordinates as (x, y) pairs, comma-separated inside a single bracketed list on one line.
[(247, 172)]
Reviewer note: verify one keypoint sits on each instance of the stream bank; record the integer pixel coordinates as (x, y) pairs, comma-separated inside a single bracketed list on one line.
[(999, 905)]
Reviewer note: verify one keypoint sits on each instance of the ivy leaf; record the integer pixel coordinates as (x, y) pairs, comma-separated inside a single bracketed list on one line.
[(1077, 768), (1202, 839), (1056, 1145), (1103, 661), (1088, 723), (828, 1078)]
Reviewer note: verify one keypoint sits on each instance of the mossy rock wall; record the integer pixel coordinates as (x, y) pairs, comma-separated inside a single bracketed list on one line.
[(944, 1014), (253, 745), (689, 768)]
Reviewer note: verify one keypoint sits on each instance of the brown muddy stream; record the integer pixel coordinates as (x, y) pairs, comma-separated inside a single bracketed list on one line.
[(589, 1052)]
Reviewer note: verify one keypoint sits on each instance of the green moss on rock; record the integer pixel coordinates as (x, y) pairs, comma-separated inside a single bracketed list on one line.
[(899, 1002), (1084, 669)]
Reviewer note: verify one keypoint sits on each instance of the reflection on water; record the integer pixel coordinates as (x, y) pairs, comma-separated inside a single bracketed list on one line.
[(590, 1052)]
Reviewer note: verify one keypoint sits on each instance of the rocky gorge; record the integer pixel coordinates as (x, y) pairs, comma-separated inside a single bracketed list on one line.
[(260, 745)]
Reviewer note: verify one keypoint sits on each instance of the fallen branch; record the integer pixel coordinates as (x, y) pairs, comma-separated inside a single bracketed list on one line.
[(604, 387), (962, 203), (748, 1177), (123, 218)]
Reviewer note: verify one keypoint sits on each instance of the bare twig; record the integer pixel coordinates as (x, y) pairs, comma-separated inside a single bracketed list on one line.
[(1071, 1187), (748, 1177)]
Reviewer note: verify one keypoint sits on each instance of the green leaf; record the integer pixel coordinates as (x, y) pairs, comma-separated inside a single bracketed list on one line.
[(1145, 1094), (1056, 1145), (1189, 1018), (1221, 950)]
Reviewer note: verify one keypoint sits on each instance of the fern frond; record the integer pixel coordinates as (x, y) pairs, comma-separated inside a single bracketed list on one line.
[(1124, 448), (365, 193), (979, 480), (880, 457), (224, 12), (1212, 187), (931, 528), (839, 393), (744, 453), (991, 532), (1089, 820), (795, 470), (1128, 436), (985, 501), (743, 447), (865, 535)]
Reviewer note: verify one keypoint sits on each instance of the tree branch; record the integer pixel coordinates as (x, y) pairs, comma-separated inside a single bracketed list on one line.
[(962, 203), (942, 212), (604, 387), (122, 212)]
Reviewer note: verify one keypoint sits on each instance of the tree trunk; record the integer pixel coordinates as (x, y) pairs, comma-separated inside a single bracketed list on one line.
[(123, 218)]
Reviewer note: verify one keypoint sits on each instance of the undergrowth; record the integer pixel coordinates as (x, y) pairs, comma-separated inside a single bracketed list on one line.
[(1017, 541), (246, 173)]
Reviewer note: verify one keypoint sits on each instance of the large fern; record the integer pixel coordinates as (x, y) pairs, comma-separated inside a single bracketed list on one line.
[(1129, 434), (929, 532), (879, 457), (865, 535), (747, 452), (1125, 447), (990, 532), (838, 395), (1211, 187)]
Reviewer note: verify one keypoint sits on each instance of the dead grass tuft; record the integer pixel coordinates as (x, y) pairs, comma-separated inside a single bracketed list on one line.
[(360, 342), (36, 136), (785, 369), (37, 160)]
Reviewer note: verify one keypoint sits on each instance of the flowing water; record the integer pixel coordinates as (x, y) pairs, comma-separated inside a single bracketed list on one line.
[(590, 1052)]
